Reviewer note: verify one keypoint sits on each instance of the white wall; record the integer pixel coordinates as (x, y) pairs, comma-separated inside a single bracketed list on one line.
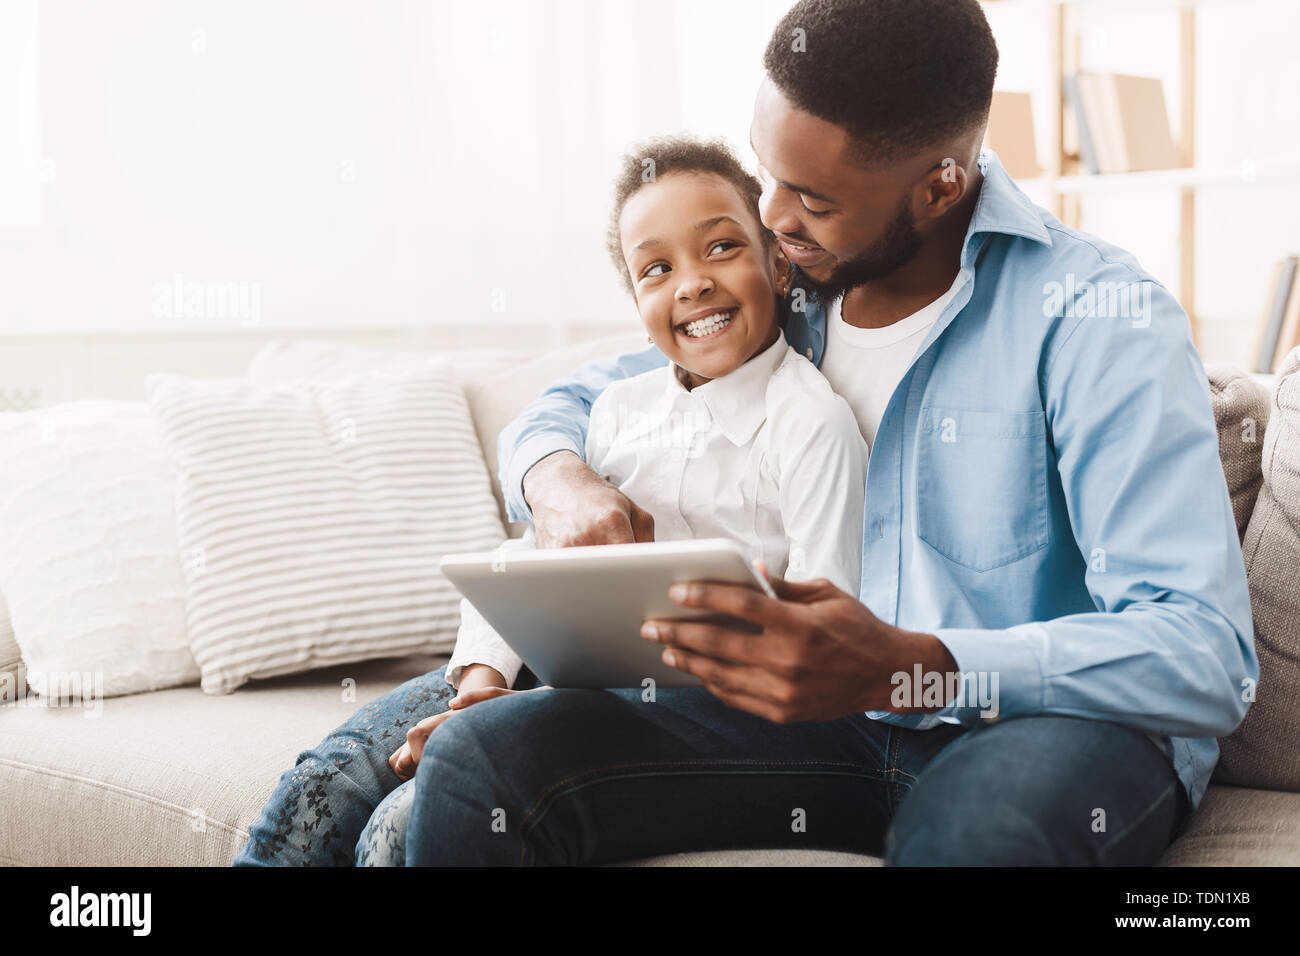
[(346, 163), (446, 164)]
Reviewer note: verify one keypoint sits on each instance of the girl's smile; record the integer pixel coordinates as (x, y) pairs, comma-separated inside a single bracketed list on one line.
[(706, 326)]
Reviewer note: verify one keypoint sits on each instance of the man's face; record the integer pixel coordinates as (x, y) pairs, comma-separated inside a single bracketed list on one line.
[(842, 224)]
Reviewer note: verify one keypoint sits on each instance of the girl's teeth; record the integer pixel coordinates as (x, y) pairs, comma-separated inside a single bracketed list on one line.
[(708, 325)]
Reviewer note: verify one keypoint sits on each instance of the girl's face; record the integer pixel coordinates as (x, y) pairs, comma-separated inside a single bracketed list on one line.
[(705, 282)]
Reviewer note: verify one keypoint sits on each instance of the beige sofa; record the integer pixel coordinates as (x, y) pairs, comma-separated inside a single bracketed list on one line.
[(174, 777)]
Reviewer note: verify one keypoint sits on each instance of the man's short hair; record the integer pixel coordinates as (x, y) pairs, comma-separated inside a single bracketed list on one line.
[(898, 75)]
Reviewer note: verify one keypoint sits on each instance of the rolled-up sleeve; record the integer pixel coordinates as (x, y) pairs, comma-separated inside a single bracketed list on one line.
[(477, 641), (557, 421)]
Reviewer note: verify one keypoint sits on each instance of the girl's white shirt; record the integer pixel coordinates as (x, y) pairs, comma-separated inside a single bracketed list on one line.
[(767, 455)]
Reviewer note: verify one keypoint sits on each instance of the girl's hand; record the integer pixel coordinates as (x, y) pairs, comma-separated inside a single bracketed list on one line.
[(407, 758)]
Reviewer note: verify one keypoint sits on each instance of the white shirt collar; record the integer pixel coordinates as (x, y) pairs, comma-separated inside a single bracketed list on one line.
[(737, 402)]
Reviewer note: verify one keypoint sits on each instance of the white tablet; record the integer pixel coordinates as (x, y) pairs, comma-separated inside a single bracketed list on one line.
[(574, 614)]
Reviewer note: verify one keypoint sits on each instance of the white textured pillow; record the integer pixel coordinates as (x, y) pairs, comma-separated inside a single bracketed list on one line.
[(312, 517), (89, 563)]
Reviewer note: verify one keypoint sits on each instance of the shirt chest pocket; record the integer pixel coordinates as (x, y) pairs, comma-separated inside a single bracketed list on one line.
[(981, 485)]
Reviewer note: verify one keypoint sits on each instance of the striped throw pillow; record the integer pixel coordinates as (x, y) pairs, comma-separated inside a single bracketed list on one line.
[(311, 516)]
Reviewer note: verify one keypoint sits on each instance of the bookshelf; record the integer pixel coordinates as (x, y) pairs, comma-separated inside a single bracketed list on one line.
[(1246, 174), (1066, 184)]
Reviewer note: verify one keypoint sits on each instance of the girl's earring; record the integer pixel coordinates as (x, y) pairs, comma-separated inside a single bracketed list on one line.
[(650, 339)]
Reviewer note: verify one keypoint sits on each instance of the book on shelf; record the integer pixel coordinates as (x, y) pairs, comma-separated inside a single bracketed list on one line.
[(1148, 143), (1101, 116), (1078, 136), (1283, 314), (1122, 123), (1010, 134)]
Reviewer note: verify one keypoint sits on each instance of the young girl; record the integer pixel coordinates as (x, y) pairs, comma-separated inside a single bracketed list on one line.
[(738, 436)]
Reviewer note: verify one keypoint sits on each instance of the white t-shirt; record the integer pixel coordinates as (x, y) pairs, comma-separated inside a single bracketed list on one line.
[(866, 365)]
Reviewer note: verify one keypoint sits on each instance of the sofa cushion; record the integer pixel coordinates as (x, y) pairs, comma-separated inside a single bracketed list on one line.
[(1264, 751), (312, 516), (171, 778), (176, 777), (1238, 826), (1241, 407)]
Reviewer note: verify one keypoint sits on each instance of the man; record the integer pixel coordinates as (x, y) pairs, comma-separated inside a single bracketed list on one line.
[(1053, 624)]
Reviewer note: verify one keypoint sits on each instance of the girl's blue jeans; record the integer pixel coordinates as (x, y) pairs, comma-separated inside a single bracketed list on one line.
[(597, 776)]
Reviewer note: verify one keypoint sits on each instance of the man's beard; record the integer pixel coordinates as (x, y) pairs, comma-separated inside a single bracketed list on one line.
[(895, 249)]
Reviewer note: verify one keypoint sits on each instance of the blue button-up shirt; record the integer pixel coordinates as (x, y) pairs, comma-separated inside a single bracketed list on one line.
[(1044, 494)]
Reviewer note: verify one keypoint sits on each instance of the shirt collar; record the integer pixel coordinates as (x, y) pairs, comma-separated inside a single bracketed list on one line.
[(737, 402), (1003, 207)]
